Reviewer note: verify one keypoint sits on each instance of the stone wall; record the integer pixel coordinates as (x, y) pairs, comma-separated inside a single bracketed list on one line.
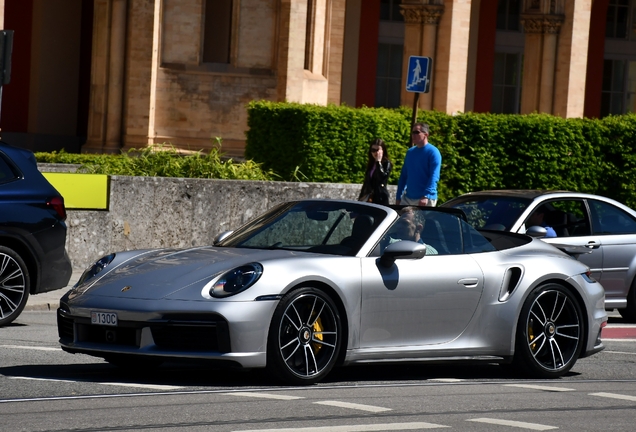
[(157, 212)]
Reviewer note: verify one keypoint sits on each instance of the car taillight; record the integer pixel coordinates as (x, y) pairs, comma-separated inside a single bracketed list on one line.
[(57, 203)]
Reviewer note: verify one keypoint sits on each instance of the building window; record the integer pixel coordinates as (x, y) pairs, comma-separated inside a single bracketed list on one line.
[(388, 81), (506, 86), (619, 87), (508, 15), (217, 31), (621, 20), (390, 10)]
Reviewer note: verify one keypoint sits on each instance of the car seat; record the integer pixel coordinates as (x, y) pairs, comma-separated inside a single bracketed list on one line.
[(433, 235), (360, 232)]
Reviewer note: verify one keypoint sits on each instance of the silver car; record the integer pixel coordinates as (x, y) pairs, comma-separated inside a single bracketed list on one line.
[(318, 283), (606, 228)]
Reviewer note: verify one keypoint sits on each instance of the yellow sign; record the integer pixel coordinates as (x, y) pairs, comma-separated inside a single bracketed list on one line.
[(81, 191)]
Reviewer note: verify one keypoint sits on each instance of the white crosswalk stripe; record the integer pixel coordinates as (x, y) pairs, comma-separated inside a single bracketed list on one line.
[(355, 406), (517, 424), (264, 395), (356, 428), (540, 387), (615, 396)]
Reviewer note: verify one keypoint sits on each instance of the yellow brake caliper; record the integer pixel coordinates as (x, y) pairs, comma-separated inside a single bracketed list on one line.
[(318, 335), (531, 335)]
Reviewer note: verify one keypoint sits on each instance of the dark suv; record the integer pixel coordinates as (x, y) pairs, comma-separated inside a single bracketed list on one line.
[(33, 256)]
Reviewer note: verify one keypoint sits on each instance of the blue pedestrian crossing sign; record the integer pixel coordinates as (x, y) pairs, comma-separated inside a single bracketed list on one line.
[(418, 77)]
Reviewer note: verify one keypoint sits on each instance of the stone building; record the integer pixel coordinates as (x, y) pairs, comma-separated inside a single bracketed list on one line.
[(105, 75)]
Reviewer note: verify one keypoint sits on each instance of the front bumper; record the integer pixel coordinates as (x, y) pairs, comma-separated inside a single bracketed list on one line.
[(234, 332)]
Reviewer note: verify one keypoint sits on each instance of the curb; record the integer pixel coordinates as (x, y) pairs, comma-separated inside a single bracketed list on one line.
[(41, 307)]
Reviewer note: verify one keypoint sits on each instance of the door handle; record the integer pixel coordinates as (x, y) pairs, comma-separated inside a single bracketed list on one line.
[(468, 282), (593, 245)]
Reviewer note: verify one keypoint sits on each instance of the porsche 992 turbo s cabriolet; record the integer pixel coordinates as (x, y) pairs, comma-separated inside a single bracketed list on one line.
[(318, 283)]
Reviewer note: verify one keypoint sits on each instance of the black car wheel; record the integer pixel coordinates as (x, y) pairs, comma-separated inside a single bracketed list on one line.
[(14, 285), (304, 337), (550, 332)]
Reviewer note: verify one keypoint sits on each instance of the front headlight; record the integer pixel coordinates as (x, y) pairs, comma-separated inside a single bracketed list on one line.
[(235, 281), (95, 269)]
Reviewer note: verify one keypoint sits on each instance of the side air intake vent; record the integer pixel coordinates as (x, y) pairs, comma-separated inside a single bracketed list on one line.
[(510, 281)]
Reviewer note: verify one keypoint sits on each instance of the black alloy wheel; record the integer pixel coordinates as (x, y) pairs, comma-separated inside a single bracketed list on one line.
[(550, 332), (14, 285), (304, 337)]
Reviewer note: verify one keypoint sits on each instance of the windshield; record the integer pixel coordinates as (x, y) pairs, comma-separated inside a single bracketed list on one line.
[(491, 212), (331, 227)]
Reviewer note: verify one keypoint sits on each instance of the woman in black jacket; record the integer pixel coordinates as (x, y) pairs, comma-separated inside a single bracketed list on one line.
[(377, 175)]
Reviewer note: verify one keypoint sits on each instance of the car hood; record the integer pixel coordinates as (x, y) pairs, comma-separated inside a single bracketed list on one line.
[(158, 274)]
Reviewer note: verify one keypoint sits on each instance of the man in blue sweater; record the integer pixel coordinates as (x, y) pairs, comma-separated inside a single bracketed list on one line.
[(420, 172)]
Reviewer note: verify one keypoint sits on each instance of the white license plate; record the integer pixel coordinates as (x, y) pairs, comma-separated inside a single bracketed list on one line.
[(104, 318)]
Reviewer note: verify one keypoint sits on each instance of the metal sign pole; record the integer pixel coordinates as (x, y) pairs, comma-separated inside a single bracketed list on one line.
[(414, 116)]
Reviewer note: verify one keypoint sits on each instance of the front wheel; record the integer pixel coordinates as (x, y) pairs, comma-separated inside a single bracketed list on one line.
[(304, 337), (549, 333), (14, 285)]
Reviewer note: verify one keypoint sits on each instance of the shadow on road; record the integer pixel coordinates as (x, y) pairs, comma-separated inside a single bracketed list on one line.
[(202, 375)]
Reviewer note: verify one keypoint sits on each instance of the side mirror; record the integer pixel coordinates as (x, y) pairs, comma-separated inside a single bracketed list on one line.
[(404, 249), (536, 231), (219, 238)]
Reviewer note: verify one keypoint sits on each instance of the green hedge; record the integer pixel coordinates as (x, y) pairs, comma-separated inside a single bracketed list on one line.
[(162, 161), (321, 144), (479, 151)]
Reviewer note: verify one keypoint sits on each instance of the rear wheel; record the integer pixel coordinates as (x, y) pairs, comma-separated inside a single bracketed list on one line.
[(304, 337), (550, 332), (14, 285)]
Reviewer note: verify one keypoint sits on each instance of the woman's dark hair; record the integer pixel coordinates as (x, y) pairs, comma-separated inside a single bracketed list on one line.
[(385, 154)]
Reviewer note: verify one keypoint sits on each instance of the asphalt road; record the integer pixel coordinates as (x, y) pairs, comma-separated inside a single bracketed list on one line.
[(44, 389)]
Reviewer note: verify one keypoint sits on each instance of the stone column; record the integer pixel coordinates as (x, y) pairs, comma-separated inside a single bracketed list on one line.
[(412, 45), (291, 50), (336, 50), (531, 77), (430, 19), (116, 77), (97, 109), (541, 21), (548, 65), (451, 57), (107, 77), (420, 39), (572, 60)]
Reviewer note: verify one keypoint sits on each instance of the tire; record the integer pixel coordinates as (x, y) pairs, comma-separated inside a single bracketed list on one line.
[(549, 333), (14, 285), (305, 336), (629, 313)]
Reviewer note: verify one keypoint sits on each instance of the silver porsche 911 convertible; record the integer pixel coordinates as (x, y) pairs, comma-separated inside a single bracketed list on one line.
[(318, 283)]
